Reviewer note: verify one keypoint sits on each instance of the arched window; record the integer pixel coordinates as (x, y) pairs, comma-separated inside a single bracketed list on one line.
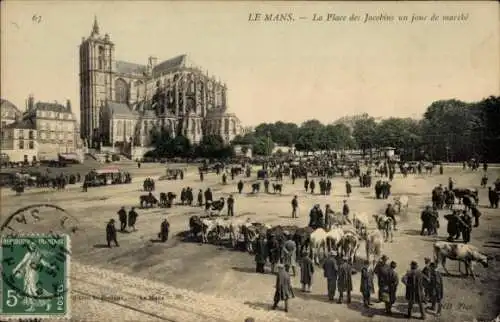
[(226, 125), (146, 127), (121, 91), (101, 57)]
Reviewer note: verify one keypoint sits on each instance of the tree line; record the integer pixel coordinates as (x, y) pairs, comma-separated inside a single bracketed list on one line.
[(450, 130)]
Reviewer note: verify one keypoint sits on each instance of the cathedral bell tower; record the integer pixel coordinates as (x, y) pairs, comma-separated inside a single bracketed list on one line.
[(96, 82)]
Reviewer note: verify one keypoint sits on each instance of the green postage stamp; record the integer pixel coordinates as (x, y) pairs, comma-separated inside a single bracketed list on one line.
[(35, 276)]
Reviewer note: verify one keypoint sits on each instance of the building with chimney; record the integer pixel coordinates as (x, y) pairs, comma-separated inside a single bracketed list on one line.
[(122, 104), (43, 132)]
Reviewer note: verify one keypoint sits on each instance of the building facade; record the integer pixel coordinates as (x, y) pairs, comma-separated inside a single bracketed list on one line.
[(43, 132), (9, 113), (122, 103)]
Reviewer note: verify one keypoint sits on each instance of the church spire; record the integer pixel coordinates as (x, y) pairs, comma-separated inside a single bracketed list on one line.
[(95, 27)]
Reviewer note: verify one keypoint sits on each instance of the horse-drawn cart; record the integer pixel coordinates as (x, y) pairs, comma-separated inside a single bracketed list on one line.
[(171, 174)]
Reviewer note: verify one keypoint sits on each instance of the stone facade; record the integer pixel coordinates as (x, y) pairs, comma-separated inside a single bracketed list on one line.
[(43, 132), (122, 103)]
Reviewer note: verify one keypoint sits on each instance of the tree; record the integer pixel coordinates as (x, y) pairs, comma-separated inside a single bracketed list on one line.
[(309, 138), (364, 131), (262, 146), (212, 146)]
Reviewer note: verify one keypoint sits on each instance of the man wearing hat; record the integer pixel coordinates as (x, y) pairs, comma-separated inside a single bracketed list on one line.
[(345, 279), (391, 287), (414, 281), (435, 288), (283, 287), (132, 218), (164, 230), (306, 272), (426, 272), (345, 211), (330, 272), (381, 270), (122, 216), (111, 233)]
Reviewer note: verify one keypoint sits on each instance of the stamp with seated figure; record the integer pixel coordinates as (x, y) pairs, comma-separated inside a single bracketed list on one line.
[(35, 276)]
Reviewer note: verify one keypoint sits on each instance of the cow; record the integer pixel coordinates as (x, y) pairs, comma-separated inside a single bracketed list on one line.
[(277, 187), (401, 202), (385, 224), (360, 222), (317, 242), (374, 241), (148, 201), (465, 253), (349, 244), (333, 239), (200, 226), (255, 187)]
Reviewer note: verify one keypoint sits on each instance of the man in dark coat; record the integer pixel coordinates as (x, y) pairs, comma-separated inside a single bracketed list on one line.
[(378, 189), (425, 216), (208, 198), (345, 212), (306, 184), (390, 287), (283, 287), (164, 229), (230, 206), (466, 220), (381, 270), (313, 217), (476, 214), (414, 281), (295, 206), (450, 184), (391, 213), (132, 218), (426, 272), (201, 175), (260, 254), (436, 289), (111, 233), (224, 178), (366, 285), (348, 189), (306, 272), (312, 186), (345, 279), (330, 272), (273, 247), (122, 216), (200, 198), (266, 185), (328, 217), (240, 186)]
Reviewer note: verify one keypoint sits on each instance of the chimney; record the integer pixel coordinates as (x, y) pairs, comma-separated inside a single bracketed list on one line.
[(68, 105)]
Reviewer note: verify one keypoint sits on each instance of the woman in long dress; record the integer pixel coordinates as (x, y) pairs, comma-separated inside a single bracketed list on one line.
[(27, 270)]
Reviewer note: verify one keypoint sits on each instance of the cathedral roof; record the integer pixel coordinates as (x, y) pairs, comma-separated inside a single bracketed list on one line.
[(120, 109), (8, 110), (170, 65), (124, 67)]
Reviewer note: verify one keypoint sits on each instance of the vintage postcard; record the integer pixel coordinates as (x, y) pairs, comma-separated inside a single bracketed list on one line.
[(250, 161)]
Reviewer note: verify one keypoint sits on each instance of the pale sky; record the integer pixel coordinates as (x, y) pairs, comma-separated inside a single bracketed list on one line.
[(289, 71)]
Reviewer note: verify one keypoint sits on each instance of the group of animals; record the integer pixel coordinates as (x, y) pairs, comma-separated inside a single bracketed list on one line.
[(318, 242)]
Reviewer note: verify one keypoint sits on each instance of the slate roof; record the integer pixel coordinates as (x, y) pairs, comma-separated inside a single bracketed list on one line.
[(124, 67), (120, 109), (54, 107), (8, 109), (26, 123), (170, 65)]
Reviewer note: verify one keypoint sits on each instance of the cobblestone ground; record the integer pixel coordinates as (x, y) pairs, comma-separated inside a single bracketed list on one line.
[(227, 289)]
